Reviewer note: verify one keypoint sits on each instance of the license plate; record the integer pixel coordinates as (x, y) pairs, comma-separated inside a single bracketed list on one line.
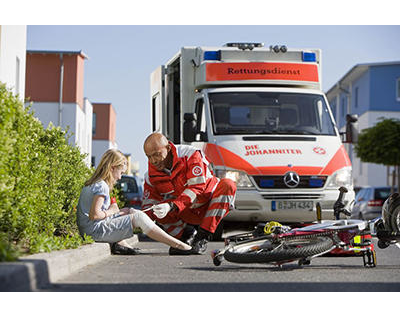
[(291, 205)]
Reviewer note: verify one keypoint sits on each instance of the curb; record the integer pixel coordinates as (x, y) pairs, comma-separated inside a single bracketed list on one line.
[(33, 272)]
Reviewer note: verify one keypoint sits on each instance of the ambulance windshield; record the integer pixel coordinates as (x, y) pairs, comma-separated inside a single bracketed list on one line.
[(270, 113)]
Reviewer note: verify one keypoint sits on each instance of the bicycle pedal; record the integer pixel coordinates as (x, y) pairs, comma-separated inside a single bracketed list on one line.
[(369, 259)]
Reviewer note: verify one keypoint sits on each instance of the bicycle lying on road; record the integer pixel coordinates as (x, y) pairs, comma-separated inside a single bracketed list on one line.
[(276, 244)]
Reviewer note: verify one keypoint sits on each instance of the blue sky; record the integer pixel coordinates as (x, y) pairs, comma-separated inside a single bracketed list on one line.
[(121, 58)]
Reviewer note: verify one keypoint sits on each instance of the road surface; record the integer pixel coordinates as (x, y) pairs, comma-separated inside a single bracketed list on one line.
[(154, 270)]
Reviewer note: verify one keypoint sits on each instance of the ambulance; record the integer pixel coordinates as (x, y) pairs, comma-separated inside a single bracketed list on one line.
[(261, 118)]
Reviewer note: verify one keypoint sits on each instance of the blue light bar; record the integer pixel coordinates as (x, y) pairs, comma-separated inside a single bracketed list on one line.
[(316, 183), (212, 55), (267, 183), (311, 57)]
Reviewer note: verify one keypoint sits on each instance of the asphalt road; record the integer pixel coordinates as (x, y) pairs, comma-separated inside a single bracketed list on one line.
[(154, 270)]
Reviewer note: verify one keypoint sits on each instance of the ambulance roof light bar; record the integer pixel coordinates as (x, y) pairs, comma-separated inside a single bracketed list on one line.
[(244, 46), (309, 56)]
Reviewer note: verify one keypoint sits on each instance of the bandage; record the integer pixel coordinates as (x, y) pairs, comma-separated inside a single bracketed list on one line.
[(140, 219)]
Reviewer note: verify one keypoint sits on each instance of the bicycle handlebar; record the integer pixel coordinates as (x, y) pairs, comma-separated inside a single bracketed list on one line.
[(338, 207)]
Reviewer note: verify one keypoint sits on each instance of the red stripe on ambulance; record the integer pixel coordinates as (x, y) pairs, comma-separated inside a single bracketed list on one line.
[(261, 71)]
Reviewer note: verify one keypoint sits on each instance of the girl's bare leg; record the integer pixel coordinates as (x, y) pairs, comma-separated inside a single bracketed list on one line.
[(158, 234), (140, 219)]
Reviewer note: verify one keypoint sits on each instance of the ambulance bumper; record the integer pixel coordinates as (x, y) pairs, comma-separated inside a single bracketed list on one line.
[(287, 207)]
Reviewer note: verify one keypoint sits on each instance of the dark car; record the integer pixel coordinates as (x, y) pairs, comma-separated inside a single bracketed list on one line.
[(369, 201), (131, 189)]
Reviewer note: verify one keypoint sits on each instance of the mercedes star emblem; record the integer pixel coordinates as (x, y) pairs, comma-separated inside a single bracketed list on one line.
[(291, 179)]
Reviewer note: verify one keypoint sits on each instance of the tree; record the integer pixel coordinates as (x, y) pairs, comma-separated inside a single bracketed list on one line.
[(380, 144)]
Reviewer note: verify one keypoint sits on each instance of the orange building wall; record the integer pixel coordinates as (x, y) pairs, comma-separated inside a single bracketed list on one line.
[(105, 121), (43, 78)]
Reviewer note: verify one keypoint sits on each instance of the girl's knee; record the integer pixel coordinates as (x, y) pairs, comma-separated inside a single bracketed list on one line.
[(140, 219)]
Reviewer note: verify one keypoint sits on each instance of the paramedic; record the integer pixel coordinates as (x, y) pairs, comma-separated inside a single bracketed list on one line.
[(184, 193)]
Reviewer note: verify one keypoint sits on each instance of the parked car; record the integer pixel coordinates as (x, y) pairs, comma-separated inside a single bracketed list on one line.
[(131, 189), (369, 201)]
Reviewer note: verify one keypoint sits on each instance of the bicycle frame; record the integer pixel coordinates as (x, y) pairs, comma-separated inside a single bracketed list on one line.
[(348, 236), (341, 232)]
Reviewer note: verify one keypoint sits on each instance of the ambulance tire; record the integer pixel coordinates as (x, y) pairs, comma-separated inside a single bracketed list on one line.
[(264, 251)]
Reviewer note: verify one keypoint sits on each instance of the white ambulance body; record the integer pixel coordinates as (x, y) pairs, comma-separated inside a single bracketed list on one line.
[(261, 118)]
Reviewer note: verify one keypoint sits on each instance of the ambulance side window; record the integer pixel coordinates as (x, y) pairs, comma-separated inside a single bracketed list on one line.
[(201, 120)]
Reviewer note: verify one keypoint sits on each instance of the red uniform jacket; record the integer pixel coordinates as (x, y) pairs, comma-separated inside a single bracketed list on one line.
[(189, 185)]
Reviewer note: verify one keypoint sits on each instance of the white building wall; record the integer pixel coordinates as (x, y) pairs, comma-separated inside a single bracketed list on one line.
[(86, 140), (99, 147), (13, 58), (77, 121)]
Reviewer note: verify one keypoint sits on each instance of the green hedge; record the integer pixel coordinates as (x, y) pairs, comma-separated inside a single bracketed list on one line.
[(40, 180)]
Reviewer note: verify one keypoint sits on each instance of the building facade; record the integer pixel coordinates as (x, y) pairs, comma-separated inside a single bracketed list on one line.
[(372, 91), (13, 58), (54, 88), (103, 130)]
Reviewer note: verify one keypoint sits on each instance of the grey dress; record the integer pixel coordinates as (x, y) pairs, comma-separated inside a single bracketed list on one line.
[(110, 229)]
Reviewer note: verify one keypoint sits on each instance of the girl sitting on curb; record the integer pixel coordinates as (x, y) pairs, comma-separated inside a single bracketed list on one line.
[(104, 221)]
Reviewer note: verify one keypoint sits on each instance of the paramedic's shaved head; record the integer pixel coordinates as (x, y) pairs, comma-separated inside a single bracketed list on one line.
[(157, 149), (155, 140)]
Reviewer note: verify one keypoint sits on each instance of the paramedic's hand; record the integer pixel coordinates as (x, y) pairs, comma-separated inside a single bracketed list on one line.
[(161, 210)]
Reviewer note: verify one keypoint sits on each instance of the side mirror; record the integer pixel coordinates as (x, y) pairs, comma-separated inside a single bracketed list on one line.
[(351, 128), (189, 127)]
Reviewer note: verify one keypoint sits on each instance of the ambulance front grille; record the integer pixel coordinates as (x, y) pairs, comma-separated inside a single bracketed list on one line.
[(276, 182), (293, 196)]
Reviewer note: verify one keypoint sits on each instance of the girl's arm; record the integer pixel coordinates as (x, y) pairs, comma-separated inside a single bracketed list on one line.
[(96, 213)]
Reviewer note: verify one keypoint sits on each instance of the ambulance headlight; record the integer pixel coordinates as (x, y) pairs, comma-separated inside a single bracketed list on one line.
[(341, 178), (241, 178)]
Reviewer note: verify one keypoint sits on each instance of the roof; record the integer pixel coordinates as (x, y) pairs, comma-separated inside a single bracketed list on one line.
[(64, 52), (356, 72)]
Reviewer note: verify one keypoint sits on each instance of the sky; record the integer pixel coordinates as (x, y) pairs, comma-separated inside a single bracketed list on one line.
[(121, 58)]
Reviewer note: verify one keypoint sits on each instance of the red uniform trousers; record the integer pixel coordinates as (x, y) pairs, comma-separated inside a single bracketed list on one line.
[(208, 216)]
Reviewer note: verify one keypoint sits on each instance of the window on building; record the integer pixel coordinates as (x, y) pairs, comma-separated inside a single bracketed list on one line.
[(94, 124), (356, 97), (333, 107), (398, 89), (343, 107), (93, 161)]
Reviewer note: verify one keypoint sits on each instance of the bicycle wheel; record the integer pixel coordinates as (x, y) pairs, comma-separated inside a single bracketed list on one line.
[(391, 213), (395, 219), (267, 251)]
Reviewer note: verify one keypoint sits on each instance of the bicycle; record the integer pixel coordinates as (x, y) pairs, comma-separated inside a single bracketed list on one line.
[(276, 244)]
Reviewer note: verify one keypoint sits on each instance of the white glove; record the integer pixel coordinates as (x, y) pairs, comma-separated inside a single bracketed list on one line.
[(161, 210)]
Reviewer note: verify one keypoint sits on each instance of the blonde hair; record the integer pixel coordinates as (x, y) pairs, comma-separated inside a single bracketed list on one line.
[(111, 158)]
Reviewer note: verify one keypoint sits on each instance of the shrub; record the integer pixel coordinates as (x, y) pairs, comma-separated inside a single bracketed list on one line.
[(40, 180)]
